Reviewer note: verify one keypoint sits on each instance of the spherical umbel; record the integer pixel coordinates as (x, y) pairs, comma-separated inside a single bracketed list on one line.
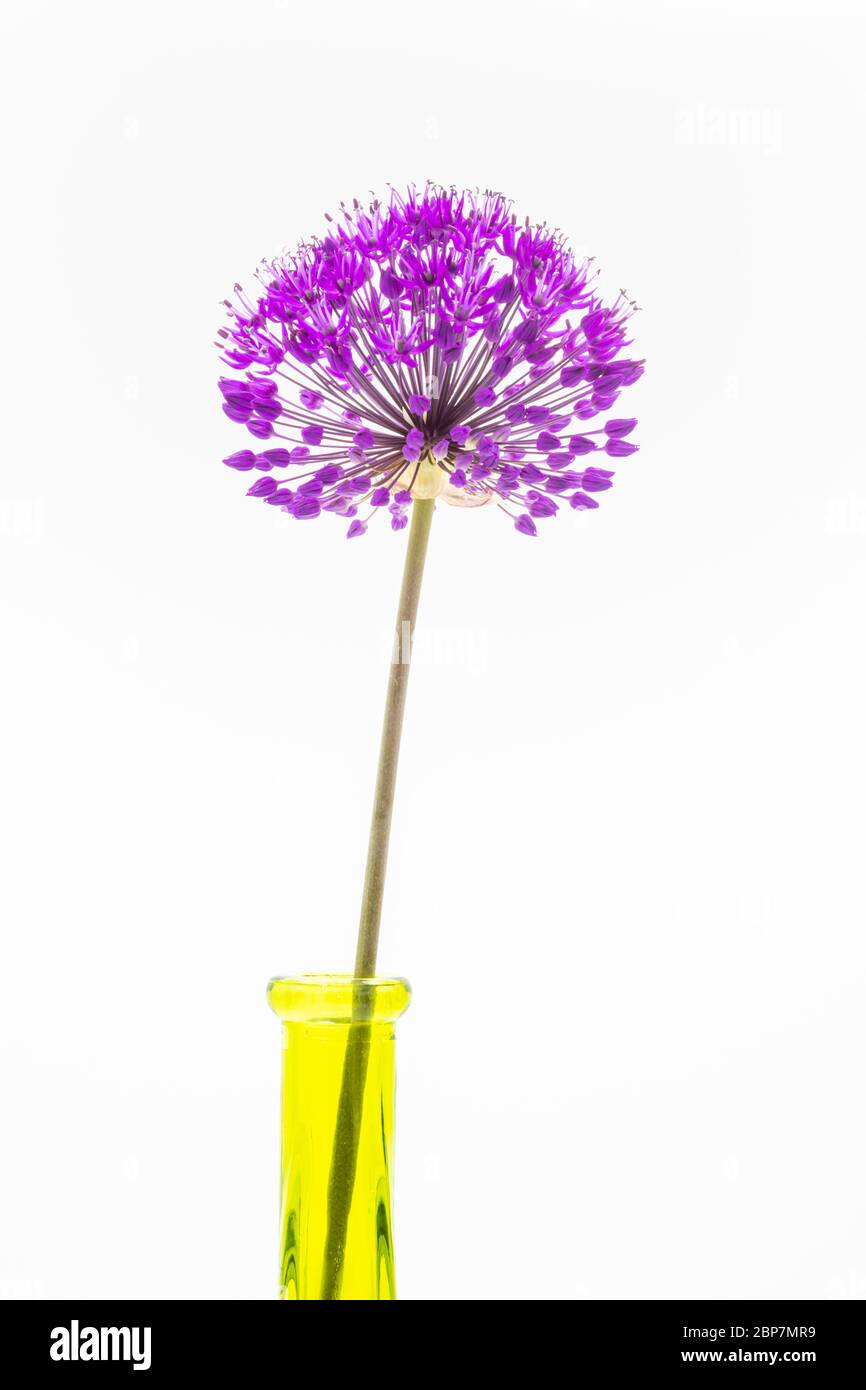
[(428, 346)]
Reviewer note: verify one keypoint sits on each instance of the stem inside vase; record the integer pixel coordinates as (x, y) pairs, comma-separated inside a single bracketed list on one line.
[(344, 1156)]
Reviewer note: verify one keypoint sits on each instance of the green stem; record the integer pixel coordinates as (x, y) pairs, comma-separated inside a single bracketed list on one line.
[(344, 1159), (389, 750)]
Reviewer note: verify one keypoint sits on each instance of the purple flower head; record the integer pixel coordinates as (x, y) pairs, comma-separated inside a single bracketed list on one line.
[(427, 345)]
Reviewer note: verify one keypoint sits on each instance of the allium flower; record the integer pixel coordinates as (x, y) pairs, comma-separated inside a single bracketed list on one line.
[(425, 347), (428, 346)]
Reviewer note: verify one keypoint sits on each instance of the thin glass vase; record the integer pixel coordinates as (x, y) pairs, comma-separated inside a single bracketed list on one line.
[(337, 1135)]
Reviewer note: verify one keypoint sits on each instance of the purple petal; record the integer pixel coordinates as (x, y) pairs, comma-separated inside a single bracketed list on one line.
[(525, 525), (306, 508), (243, 461), (527, 332), (277, 458), (543, 507), (617, 429), (570, 376), (263, 388), (633, 372), (262, 487), (229, 387), (391, 285), (596, 480), (530, 474)]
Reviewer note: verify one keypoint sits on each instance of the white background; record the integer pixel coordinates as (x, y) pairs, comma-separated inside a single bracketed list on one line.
[(627, 876)]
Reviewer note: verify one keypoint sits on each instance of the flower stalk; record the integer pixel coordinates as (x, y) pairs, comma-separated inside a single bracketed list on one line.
[(344, 1156)]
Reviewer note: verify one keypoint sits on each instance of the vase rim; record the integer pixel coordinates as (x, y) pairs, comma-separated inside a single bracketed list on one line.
[(336, 998)]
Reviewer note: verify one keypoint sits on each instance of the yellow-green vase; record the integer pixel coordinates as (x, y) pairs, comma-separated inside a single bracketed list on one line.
[(337, 1134)]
